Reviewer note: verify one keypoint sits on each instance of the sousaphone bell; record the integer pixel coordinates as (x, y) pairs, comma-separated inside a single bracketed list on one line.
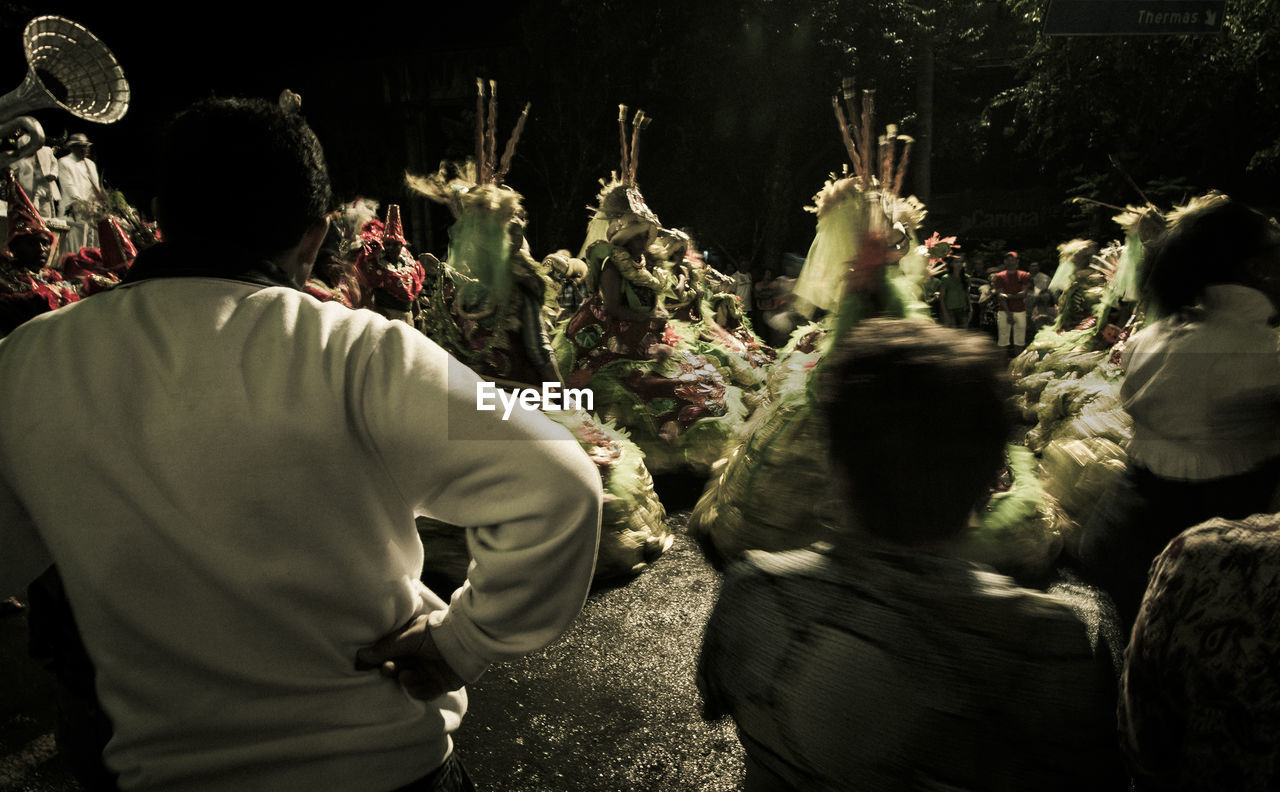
[(67, 67)]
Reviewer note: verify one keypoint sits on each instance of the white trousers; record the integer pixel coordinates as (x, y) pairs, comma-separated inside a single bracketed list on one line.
[(1018, 328)]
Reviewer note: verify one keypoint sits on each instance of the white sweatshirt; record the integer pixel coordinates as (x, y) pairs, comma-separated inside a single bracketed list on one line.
[(227, 477)]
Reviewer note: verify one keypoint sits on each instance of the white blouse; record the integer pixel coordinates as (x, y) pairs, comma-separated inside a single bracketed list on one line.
[(1204, 392)]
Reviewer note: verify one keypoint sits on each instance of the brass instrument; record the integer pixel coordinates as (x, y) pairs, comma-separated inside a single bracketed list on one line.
[(67, 67)]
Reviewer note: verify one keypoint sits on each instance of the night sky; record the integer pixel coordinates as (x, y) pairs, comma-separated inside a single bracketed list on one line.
[(738, 145), (175, 53)]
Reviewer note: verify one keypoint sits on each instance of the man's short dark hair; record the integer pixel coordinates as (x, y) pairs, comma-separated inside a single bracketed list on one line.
[(241, 172), (919, 415)]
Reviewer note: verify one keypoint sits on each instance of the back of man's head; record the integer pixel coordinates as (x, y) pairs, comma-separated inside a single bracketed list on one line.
[(241, 173), (919, 415)]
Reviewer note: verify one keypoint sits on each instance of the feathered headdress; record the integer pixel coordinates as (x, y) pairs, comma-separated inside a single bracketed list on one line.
[(491, 170), (480, 244), (620, 208), (393, 229), (453, 181), (1211, 198), (352, 220), (853, 206), (1144, 221)]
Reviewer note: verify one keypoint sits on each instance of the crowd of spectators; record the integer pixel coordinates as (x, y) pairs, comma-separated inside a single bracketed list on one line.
[(882, 660)]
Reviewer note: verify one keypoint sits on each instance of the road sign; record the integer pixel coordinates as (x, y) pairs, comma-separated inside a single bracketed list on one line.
[(1133, 17)]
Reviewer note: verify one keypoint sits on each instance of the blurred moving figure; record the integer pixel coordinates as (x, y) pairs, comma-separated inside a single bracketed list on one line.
[(1202, 385), (884, 662)]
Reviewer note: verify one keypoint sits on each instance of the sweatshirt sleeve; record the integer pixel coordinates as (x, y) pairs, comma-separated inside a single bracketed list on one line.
[(526, 485), (25, 555)]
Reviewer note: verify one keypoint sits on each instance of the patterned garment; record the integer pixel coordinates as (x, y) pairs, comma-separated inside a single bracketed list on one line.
[(398, 283), (456, 312), (24, 295), (600, 339), (1200, 703), (899, 670)]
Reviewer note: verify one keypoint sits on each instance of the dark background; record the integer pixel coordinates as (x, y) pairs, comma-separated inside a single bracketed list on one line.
[(743, 132)]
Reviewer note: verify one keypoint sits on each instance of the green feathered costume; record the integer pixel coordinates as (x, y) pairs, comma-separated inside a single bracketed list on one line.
[(772, 491), (478, 308), (675, 389)]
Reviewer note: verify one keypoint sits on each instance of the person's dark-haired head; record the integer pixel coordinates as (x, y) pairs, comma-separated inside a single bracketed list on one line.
[(241, 170), (1223, 242), (918, 415)]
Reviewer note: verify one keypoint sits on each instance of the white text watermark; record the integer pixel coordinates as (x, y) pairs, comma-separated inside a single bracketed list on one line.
[(552, 396)]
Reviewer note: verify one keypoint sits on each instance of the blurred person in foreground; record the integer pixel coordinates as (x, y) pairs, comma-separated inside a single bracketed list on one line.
[(1200, 703), (239, 550), (884, 662), (1202, 385)]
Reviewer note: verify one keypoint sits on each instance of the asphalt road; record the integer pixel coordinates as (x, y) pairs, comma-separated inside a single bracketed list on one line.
[(609, 707)]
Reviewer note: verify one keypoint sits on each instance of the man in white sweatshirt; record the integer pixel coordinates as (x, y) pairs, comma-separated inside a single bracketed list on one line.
[(229, 484)]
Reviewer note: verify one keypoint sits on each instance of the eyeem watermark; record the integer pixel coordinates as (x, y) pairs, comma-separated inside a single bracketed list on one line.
[(552, 396)]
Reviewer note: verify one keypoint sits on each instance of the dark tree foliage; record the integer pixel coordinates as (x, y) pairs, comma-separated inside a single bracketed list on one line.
[(1179, 114), (743, 131)]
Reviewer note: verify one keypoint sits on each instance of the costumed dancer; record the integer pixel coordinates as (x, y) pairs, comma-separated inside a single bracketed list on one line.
[(710, 317), (334, 277), (567, 274), (491, 305), (772, 491), (1067, 383), (29, 286), (338, 276), (1202, 385), (654, 380), (101, 268), (393, 276)]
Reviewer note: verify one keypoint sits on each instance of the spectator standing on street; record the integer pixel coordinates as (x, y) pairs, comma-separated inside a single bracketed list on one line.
[(1011, 287), (1041, 309), (240, 552), (953, 294)]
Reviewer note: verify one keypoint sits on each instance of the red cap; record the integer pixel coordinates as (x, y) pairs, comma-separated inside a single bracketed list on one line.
[(23, 217), (393, 230)]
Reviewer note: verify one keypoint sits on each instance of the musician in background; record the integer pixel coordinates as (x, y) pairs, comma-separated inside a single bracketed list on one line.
[(38, 175), (81, 189)]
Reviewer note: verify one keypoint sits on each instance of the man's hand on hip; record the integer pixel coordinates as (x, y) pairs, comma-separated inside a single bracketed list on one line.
[(409, 656)]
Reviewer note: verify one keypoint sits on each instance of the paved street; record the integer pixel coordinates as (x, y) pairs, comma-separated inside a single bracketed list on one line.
[(610, 707)]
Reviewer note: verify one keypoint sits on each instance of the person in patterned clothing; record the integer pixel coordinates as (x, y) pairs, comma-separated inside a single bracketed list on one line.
[(28, 285), (1200, 698)]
